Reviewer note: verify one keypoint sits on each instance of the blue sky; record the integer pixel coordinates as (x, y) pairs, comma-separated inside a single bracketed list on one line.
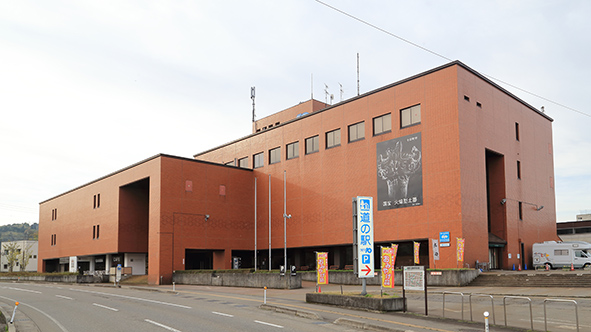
[(87, 88)]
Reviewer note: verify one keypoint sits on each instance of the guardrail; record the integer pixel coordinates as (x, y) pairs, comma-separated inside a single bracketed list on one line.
[(560, 300), (531, 317), (492, 305), (454, 293)]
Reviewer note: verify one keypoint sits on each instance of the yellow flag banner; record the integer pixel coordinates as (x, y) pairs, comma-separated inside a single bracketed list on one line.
[(460, 247), (322, 268), (417, 246), (387, 268)]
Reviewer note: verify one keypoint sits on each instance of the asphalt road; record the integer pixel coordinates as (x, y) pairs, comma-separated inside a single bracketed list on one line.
[(61, 308)]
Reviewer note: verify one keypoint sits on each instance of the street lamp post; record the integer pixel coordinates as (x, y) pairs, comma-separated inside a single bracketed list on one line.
[(285, 217)]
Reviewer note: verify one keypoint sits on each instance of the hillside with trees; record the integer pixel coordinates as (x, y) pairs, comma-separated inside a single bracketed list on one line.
[(17, 232)]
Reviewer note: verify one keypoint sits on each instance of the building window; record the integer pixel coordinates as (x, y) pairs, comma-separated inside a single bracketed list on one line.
[(94, 232), (293, 150), (382, 124), (258, 160), (410, 116), (230, 163), (466, 98), (243, 162), (312, 144), (356, 132), (518, 169), (97, 201), (275, 155), (520, 210), (516, 131), (54, 214), (333, 138), (98, 230)]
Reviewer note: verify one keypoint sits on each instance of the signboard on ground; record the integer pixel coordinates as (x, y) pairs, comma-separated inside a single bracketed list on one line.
[(414, 278), (435, 247), (322, 268), (387, 268)]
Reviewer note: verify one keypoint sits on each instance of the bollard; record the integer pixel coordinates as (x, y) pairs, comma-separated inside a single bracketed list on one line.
[(13, 313), (486, 321), (160, 280), (265, 296), (173, 286)]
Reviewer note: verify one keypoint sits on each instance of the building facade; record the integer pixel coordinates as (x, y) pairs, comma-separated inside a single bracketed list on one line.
[(25, 256), (446, 154)]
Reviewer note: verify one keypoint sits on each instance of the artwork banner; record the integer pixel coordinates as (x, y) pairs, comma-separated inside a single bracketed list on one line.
[(322, 268)]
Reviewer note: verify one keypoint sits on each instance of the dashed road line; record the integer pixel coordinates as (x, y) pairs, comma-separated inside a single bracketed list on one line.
[(162, 325), (269, 324), (105, 307), (222, 314)]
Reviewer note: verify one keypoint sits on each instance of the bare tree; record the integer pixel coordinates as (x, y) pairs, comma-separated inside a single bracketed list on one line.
[(11, 251), (26, 255)]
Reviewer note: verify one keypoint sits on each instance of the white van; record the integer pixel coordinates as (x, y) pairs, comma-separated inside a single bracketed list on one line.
[(561, 254)]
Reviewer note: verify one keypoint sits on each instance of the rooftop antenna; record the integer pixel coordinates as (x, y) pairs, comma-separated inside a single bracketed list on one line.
[(312, 86), (253, 114), (341, 91), (326, 93), (358, 74)]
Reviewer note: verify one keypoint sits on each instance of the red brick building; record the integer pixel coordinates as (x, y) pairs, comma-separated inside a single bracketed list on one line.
[(444, 151)]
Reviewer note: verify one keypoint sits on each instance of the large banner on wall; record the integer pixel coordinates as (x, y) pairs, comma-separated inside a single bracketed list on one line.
[(400, 172)]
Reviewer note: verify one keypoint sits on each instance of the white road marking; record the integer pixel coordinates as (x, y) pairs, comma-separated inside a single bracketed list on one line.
[(162, 325), (64, 297), (24, 290), (104, 306), (133, 298), (222, 314), (265, 323), (30, 306)]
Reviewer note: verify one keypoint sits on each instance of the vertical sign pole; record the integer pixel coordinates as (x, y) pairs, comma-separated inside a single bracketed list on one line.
[(425, 281), (269, 222), (284, 224), (403, 290), (255, 224)]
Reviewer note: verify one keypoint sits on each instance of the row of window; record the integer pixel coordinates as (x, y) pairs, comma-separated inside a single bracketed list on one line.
[(53, 214), (53, 239), (382, 124)]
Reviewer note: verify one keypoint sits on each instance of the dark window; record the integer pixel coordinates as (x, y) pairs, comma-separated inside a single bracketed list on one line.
[(275, 155), (243, 162), (356, 132), (410, 116), (466, 98), (94, 232), (98, 200), (520, 210), (478, 104), (333, 138), (517, 131), (293, 150), (518, 169), (98, 230), (382, 124), (258, 160), (94, 203), (312, 144)]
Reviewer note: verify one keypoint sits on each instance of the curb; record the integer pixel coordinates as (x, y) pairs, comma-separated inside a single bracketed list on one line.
[(284, 310), (11, 327), (365, 326)]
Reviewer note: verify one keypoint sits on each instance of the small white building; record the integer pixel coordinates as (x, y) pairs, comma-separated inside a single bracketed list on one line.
[(24, 247)]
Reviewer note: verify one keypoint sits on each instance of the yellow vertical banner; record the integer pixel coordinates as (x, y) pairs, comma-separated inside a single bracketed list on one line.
[(387, 268), (417, 245), (460, 248), (322, 268)]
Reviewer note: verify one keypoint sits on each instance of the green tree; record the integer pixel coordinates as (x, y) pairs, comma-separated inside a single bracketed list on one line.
[(11, 251)]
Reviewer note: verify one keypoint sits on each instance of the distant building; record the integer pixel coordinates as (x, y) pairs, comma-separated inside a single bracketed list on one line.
[(584, 217), (446, 154), (24, 247), (574, 230)]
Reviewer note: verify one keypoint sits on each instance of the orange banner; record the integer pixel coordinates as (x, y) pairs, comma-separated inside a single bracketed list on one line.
[(322, 268), (387, 268), (394, 252), (417, 246), (460, 247)]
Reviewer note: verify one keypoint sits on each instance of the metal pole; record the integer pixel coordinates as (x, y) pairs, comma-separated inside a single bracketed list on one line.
[(265, 296), (284, 225), (486, 321), (269, 222), (13, 313), (363, 285), (255, 224)]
